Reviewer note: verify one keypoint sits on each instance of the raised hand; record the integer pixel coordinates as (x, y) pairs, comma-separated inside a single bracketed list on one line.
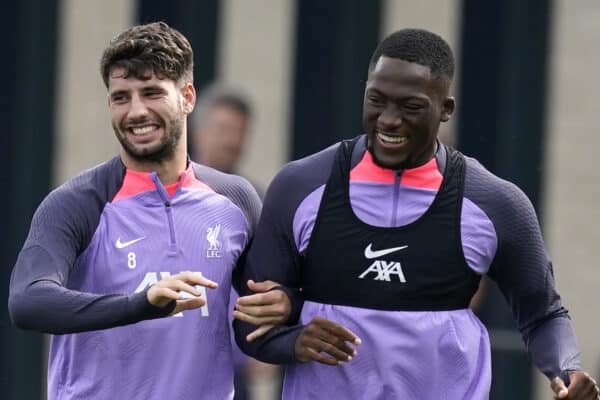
[(181, 288), (324, 336)]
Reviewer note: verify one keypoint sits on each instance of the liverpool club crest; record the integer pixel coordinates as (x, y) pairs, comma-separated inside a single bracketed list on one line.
[(214, 246)]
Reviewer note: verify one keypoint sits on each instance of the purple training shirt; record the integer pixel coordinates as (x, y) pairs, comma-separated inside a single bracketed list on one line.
[(409, 355), (95, 246)]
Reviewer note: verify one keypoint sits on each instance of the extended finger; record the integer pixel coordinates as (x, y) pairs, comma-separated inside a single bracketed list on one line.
[(276, 319), (181, 286), (337, 330), (267, 320), (258, 332), (166, 292), (268, 310), (323, 341), (340, 351), (318, 357), (189, 304), (250, 319), (263, 286), (260, 299), (160, 296), (196, 278), (250, 300)]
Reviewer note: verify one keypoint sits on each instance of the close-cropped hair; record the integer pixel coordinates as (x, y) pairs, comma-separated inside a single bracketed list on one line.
[(154, 47), (418, 46)]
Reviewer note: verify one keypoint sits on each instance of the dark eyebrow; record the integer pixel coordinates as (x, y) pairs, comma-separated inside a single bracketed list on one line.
[(409, 98), (117, 93), (373, 90), (153, 88), (378, 92)]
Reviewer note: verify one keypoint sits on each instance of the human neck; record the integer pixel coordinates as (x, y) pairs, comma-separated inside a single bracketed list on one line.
[(168, 171), (425, 157)]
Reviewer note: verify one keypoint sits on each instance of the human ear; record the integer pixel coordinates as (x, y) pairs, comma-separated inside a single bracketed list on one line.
[(448, 106), (188, 94)]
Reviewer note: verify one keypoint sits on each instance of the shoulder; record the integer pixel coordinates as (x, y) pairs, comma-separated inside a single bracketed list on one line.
[(294, 183), (503, 201), (225, 184), (304, 175), (74, 208), (91, 189), (482, 184)]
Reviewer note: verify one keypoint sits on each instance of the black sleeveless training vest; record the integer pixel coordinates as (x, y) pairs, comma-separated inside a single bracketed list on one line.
[(416, 267)]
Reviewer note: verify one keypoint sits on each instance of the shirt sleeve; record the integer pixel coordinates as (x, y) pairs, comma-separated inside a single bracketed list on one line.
[(274, 255), (39, 297), (523, 271)]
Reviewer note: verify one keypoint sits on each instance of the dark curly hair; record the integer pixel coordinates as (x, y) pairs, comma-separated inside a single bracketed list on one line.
[(152, 47), (418, 46)]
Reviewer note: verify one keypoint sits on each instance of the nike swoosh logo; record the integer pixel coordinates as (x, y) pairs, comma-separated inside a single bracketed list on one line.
[(379, 253), (122, 245)]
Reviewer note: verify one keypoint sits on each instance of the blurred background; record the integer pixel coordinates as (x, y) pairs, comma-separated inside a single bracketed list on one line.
[(527, 89)]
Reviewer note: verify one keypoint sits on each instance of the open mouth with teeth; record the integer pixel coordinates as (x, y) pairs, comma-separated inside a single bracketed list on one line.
[(391, 139), (142, 130)]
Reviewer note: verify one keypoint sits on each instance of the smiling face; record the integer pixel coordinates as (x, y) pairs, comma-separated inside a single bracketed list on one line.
[(148, 116), (402, 110)]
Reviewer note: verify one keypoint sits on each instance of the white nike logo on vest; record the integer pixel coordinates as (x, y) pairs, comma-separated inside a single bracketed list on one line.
[(379, 253), (122, 245)]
